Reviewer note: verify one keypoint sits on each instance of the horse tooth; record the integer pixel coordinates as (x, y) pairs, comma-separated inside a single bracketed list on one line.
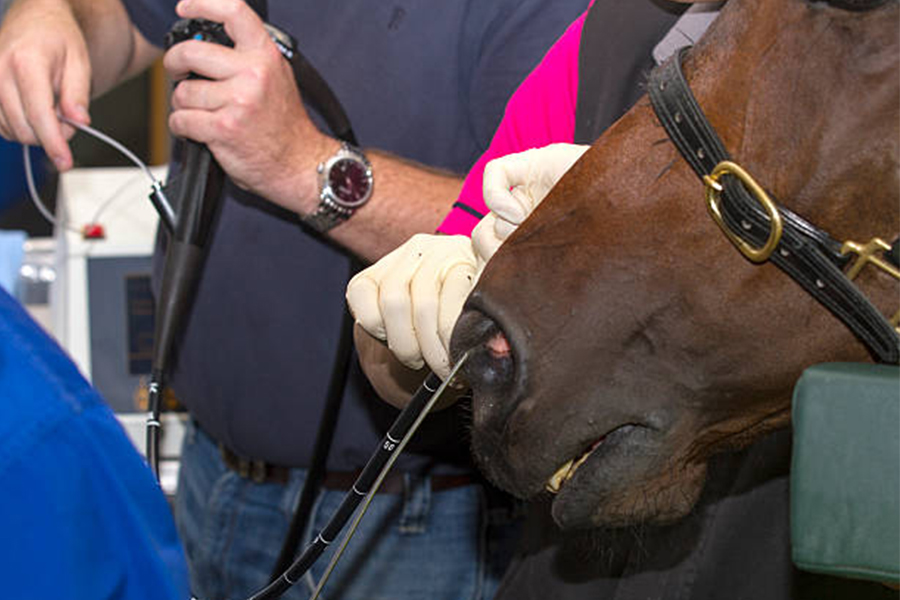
[(578, 463), (556, 480)]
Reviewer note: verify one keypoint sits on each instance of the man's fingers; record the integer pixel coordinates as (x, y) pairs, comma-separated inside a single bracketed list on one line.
[(212, 61), (197, 125), (75, 88), (5, 131), (41, 115), (242, 25), (15, 114), (199, 94)]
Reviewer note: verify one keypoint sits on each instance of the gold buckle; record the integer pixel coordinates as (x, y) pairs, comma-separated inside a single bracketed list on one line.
[(865, 255), (713, 194)]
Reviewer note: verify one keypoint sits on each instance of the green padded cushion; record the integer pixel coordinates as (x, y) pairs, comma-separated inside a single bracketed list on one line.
[(845, 473)]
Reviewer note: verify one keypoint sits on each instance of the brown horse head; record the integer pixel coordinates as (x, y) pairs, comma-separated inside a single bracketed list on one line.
[(618, 325)]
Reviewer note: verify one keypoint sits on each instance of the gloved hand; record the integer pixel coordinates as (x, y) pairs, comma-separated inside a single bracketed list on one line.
[(412, 297), (516, 183)]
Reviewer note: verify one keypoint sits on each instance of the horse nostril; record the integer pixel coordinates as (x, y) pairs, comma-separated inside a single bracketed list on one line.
[(491, 366), (499, 346)]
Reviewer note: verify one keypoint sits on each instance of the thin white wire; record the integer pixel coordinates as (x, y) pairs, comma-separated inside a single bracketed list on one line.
[(114, 143), (32, 188)]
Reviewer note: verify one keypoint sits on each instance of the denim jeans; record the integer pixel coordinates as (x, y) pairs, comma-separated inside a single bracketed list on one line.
[(420, 545)]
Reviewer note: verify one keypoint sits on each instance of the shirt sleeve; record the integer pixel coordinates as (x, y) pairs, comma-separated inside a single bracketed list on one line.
[(81, 515), (153, 18), (84, 507), (540, 112)]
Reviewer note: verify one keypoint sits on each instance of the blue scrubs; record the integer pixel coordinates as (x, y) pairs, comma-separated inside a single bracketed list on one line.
[(81, 515)]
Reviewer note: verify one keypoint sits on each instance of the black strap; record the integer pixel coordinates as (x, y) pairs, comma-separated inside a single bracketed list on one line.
[(319, 95), (858, 5), (327, 425), (809, 255)]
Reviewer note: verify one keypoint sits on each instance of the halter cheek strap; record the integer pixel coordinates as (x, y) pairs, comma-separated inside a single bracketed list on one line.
[(763, 230)]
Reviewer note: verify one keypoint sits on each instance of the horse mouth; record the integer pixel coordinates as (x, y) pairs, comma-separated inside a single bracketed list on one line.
[(567, 470)]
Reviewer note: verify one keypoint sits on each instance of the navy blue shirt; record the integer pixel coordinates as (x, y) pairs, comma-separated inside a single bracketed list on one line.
[(81, 515), (423, 79)]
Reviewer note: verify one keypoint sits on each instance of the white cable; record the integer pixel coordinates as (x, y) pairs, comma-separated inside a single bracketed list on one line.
[(115, 144), (32, 188)]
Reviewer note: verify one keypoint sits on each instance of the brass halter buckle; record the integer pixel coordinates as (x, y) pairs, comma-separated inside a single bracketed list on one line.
[(713, 195), (866, 254)]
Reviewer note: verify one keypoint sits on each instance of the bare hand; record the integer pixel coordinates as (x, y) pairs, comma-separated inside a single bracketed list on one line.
[(248, 109), (44, 67)]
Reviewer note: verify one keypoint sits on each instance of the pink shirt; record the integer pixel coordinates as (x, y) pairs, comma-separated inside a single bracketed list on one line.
[(540, 112)]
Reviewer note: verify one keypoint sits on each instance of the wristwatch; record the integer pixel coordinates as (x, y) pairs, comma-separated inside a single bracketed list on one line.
[(345, 184)]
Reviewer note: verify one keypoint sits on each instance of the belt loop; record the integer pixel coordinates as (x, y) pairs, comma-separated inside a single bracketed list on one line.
[(416, 504)]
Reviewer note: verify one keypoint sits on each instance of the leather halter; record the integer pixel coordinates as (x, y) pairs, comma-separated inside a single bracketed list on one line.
[(806, 253)]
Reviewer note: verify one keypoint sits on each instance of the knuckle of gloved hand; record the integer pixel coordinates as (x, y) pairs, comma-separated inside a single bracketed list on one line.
[(408, 355), (424, 310), (416, 243), (392, 296)]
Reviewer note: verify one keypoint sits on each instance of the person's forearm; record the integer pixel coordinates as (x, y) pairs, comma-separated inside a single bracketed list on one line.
[(116, 48)]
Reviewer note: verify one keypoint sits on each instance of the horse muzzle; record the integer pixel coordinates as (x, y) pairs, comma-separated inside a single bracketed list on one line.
[(494, 368)]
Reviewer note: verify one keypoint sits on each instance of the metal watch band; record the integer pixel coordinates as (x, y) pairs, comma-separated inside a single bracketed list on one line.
[(327, 216)]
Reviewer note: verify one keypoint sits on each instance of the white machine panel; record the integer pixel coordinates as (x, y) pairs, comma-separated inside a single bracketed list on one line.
[(101, 310)]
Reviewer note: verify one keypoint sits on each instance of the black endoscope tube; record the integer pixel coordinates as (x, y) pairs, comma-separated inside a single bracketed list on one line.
[(198, 200), (197, 203), (361, 487)]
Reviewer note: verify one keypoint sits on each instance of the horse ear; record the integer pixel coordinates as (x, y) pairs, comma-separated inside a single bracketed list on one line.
[(858, 5)]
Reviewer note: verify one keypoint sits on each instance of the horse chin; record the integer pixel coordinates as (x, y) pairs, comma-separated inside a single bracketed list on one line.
[(606, 496)]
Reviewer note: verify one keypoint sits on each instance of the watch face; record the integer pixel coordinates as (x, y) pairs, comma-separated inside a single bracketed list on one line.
[(350, 182)]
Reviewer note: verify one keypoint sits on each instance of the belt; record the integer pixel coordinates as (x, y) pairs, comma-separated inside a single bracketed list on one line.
[(260, 471)]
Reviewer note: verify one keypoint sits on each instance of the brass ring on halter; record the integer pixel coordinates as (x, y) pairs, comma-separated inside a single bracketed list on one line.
[(713, 194)]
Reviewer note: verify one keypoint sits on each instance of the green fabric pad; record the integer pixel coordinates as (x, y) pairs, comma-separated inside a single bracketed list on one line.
[(845, 474)]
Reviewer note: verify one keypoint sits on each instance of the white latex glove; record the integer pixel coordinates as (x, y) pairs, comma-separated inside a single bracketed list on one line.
[(485, 242), (412, 297), (513, 187), (516, 183)]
